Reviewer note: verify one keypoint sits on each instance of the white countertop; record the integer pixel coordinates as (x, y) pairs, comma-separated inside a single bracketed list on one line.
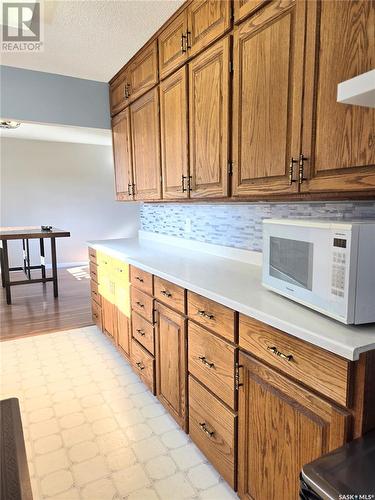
[(237, 284)]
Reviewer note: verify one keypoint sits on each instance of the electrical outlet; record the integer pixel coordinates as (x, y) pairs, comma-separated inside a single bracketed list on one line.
[(187, 225)]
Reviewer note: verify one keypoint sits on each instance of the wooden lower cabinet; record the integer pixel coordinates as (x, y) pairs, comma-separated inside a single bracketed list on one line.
[(109, 318), (282, 426), (123, 332), (171, 365)]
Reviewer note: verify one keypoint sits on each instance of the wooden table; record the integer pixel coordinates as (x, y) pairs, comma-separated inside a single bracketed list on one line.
[(25, 234)]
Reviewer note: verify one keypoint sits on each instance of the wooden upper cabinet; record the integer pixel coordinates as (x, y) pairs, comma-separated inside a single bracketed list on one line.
[(122, 156), (146, 146), (208, 121), (282, 426), (208, 20), (174, 139), (245, 8), (173, 45), (119, 92), (338, 139), (143, 71), (171, 362), (268, 74)]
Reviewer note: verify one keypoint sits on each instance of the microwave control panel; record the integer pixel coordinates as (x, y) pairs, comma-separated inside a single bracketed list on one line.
[(338, 267)]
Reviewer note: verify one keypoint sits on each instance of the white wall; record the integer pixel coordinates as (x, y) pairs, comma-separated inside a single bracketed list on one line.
[(69, 186)]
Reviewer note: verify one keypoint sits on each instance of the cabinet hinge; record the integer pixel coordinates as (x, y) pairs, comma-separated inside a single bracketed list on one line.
[(231, 68), (237, 382), (230, 167)]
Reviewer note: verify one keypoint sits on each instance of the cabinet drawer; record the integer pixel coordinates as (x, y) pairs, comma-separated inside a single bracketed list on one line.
[(211, 361), (141, 280), (92, 255), (97, 314), (142, 304), (93, 272), (95, 295), (143, 364), (208, 313), (212, 427), (170, 294), (319, 369), (143, 331)]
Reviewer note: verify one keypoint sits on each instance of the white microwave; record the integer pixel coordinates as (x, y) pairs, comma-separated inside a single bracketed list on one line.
[(328, 266)]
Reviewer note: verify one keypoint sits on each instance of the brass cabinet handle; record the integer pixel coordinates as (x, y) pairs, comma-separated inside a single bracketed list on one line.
[(204, 360), (183, 44), (205, 314), (95, 315), (301, 167), (141, 332), (139, 279), (184, 188), (274, 350), (204, 428), (127, 91), (291, 168), (140, 365), (129, 189), (188, 44), (166, 293), (140, 304)]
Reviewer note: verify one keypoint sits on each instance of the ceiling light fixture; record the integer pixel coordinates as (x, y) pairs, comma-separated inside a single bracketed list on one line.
[(9, 124)]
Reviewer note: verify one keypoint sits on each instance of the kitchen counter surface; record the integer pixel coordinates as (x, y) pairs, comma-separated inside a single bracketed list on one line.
[(237, 284)]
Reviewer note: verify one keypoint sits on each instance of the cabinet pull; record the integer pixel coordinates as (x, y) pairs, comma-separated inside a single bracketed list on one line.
[(139, 279), (291, 169), (189, 183), (204, 428), (184, 188), (274, 350), (166, 293), (129, 189), (301, 167), (205, 314), (140, 304), (127, 90), (141, 332), (140, 365), (183, 44), (188, 44), (206, 362)]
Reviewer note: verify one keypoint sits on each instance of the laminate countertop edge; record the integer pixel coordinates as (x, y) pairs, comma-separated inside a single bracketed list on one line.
[(238, 286)]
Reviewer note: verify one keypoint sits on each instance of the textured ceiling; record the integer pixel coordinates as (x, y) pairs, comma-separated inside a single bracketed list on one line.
[(92, 39)]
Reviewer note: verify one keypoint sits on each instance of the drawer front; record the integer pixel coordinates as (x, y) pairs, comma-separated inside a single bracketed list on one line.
[(143, 332), (170, 294), (144, 364), (208, 313), (93, 272), (97, 314), (141, 280), (95, 295), (92, 255), (212, 427), (315, 367), (211, 361), (143, 304)]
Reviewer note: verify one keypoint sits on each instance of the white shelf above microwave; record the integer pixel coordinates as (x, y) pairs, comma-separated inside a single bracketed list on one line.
[(359, 90)]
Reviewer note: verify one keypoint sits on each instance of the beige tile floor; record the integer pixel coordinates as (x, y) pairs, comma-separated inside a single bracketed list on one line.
[(93, 430)]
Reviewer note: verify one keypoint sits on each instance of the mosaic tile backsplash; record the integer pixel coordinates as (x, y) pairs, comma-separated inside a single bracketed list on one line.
[(240, 225)]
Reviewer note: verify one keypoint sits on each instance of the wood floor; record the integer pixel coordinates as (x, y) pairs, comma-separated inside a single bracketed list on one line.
[(34, 310)]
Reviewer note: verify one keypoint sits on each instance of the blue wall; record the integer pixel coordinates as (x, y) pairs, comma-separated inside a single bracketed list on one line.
[(49, 98), (240, 225)]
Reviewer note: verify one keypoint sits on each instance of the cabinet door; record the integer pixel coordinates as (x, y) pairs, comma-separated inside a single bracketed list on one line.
[(282, 426), (119, 92), (171, 362), (123, 332), (173, 45), (207, 21), (208, 121), (109, 318), (145, 146), (174, 140), (268, 71), (338, 139), (244, 8), (122, 156), (144, 71)]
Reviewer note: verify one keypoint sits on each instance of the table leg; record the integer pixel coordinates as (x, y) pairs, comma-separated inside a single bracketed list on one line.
[(28, 259), (24, 256), (6, 271), (42, 258), (2, 266), (54, 267)]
